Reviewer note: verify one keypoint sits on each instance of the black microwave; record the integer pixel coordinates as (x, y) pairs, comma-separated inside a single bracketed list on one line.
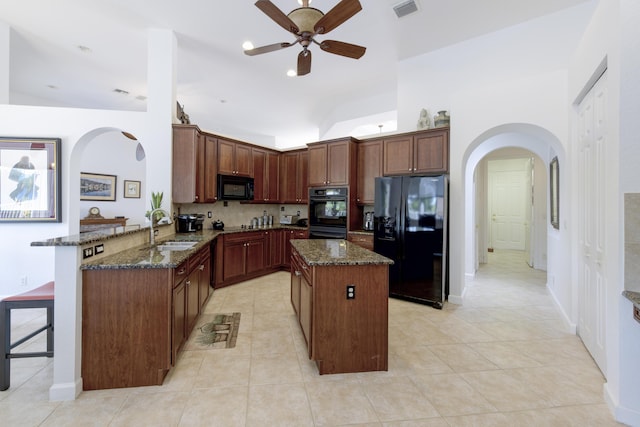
[(232, 187)]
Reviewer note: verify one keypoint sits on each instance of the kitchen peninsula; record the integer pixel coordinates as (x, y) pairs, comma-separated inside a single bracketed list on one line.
[(339, 292)]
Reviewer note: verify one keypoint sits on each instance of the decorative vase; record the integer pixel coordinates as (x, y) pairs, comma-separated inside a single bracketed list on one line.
[(441, 119)]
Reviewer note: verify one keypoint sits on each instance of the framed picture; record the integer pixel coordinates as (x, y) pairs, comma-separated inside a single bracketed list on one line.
[(94, 186), (132, 189), (554, 205), (30, 180)]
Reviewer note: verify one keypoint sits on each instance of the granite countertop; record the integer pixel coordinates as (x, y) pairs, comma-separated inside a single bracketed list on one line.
[(149, 256), (632, 296), (362, 232), (336, 252)]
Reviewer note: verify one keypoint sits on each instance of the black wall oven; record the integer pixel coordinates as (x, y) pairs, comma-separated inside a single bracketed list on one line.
[(328, 213)]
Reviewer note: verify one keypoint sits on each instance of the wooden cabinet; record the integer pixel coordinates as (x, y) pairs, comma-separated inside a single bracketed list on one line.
[(294, 177), (342, 334), (287, 236), (266, 165), (332, 163), (194, 165), (179, 310), (417, 153), (370, 156), (243, 255), (234, 158), (363, 240), (205, 277), (275, 251)]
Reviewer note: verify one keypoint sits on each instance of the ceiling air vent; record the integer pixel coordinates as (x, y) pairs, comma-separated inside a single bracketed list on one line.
[(405, 8)]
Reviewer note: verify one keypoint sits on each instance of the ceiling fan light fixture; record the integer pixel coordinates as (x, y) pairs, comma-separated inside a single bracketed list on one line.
[(305, 18), (291, 73), (247, 45)]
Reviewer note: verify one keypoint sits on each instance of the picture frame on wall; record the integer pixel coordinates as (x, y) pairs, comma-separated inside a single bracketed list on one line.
[(554, 193), (95, 186), (131, 189), (30, 180)]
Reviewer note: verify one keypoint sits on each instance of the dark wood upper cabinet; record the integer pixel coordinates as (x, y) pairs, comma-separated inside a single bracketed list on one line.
[(194, 166), (369, 167), (234, 158), (266, 176), (294, 176), (417, 153), (332, 163)]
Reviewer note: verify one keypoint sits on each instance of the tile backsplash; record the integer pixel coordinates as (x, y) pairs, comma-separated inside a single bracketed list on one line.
[(632, 242), (236, 214)]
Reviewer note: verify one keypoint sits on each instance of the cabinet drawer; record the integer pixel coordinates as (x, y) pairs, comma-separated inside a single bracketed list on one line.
[(243, 237), (300, 265), (180, 273)]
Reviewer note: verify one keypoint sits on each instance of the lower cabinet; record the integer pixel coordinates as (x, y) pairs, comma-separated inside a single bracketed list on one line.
[(134, 321), (245, 255), (363, 240)]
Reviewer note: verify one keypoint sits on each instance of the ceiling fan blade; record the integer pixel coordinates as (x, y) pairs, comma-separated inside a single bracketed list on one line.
[(272, 11), (304, 62), (342, 48), (267, 48), (336, 16)]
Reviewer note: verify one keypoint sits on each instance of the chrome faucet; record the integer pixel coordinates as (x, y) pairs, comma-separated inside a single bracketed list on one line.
[(152, 240)]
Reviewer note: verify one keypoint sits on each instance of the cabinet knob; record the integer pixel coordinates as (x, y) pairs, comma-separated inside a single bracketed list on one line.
[(297, 273)]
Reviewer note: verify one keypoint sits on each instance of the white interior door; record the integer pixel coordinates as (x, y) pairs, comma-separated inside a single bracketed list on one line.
[(508, 199), (592, 142)]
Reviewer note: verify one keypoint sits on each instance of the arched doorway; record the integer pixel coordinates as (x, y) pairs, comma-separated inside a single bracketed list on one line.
[(544, 146)]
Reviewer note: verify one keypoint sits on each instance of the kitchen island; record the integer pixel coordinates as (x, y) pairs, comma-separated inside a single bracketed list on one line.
[(339, 292)]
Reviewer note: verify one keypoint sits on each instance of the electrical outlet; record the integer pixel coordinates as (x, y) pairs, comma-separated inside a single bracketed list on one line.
[(209, 214), (281, 208), (351, 291), (98, 249), (23, 281), (87, 252)]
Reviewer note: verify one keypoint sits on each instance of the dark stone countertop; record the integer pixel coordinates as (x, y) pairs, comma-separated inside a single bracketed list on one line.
[(336, 252), (632, 296), (149, 256)]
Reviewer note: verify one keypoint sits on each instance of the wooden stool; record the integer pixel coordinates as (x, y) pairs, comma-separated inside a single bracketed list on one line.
[(41, 297)]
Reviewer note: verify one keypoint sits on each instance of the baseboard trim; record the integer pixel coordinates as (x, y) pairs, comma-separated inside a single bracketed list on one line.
[(571, 327), (622, 415), (65, 391)]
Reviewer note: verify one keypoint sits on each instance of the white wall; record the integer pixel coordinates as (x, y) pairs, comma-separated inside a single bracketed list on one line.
[(113, 154), (514, 76)]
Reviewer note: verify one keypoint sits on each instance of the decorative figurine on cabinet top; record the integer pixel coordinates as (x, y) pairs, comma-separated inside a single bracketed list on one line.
[(424, 122), (441, 119)]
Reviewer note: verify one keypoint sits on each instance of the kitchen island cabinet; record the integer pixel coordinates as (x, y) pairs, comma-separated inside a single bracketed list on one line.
[(339, 292)]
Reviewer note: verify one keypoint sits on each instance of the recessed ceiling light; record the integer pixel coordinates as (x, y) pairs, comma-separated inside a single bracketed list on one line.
[(247, 45), (292, 73), (84, 49)]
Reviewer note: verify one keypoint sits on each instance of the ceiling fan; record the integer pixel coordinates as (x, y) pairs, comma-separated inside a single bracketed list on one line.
[(307, 22)]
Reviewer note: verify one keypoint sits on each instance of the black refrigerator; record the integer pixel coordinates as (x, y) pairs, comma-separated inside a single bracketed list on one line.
[(410, 227)]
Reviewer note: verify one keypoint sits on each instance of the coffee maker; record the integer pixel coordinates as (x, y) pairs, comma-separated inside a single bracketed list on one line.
[(367, 223), (187, 223)]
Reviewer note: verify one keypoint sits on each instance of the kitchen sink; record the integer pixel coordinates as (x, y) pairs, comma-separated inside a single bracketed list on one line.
[(176, 246)]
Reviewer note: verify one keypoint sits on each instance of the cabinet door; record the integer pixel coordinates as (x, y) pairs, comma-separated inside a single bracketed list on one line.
[(369, 167), (184, 164), (205, 278), (306, 311), (256, 251), (289, 178), (431, 153), (397, 155), (259, 158), (338, 159), (272, 175), (234, 260), (192, 287), (178, 320), (296, 278), (275, 248), (207, 170), (226, 157), (243, 164), (303, 178), (318, 165)]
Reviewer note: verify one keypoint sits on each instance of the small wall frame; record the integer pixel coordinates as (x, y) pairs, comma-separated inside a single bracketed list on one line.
[(95, 186), (554, 193)]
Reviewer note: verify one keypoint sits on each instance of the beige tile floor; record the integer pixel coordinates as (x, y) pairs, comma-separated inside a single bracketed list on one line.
[(502, 359)]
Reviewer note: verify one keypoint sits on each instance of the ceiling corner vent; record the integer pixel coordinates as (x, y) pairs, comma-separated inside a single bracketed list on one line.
[(405, 8)]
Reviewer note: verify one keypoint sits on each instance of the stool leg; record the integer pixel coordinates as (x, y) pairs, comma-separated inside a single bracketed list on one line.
[(50, 329), (5, 346)]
